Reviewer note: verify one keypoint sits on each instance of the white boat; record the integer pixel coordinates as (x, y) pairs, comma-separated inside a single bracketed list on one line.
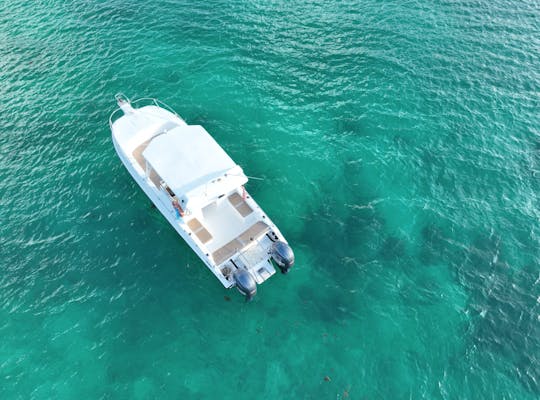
[(200, 190)]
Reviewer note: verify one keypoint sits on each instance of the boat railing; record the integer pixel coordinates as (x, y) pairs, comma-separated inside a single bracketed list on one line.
[(142, 102)]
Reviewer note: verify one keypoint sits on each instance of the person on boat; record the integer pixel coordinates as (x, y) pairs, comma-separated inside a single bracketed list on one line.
[(177, 208)]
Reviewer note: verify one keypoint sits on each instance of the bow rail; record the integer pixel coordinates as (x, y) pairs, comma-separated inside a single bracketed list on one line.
[(142, 102)]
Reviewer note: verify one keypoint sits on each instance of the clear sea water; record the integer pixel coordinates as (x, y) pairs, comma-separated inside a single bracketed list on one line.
[(399, 143)]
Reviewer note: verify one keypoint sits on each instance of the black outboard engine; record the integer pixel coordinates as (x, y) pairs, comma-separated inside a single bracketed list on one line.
[(245, 283), (283, 256)]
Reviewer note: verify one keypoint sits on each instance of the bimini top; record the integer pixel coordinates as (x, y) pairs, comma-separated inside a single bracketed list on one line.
[(193, 165)]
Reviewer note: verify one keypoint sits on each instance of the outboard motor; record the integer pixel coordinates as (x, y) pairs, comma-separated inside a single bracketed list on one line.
[(283, 256), (245, 283)]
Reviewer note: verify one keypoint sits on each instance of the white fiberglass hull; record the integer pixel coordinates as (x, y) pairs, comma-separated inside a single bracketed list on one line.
[(221, 223)]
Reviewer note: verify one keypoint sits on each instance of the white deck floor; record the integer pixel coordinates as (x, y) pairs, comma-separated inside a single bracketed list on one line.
[(223, 222)]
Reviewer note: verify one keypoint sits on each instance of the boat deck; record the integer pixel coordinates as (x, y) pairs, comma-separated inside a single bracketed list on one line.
[(227, 226), (254, 232), (137, 155)]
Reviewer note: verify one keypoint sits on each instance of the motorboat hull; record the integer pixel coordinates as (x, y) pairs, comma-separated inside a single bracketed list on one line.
[(229, 233)]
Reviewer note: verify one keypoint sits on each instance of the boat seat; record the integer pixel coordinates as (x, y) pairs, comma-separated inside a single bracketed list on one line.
[(155, 178), (227, 251), (255, 231), (137, 154), (199, 230), (240, 204)]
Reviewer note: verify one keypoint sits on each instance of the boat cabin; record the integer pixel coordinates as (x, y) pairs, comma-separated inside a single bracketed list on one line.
[(191, 166)]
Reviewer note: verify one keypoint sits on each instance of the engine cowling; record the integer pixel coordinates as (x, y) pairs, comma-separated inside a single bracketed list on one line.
[(283, 255), (245, 283)]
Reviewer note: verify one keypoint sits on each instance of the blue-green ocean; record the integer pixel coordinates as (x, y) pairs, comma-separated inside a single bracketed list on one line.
[(399, 147)]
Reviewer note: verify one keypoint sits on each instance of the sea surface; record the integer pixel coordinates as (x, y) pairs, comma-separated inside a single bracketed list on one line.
[(399, 147)]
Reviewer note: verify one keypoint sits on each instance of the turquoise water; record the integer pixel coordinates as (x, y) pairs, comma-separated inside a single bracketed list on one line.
[(399, 144)]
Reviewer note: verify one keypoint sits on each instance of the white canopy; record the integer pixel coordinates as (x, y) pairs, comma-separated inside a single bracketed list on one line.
[(192, 164)]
